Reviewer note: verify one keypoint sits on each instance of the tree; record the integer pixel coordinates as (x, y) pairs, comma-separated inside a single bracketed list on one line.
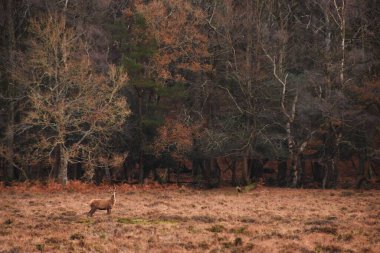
[(182, 45), (162, 56), (13, 24), (10, 35), (73, 108)]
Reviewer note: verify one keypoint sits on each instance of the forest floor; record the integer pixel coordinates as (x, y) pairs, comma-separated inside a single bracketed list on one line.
[(187, 220)]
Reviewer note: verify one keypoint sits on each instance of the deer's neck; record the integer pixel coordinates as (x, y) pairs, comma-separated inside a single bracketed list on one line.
[(113, 198)]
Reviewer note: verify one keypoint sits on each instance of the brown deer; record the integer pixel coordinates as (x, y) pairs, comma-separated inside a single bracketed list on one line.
[(103, 204)]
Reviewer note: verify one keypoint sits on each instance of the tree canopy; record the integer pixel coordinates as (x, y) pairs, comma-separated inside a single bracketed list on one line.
[(98, 90)]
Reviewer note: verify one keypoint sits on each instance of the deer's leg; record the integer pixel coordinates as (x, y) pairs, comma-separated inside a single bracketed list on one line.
[(91, 212), (108, 210)]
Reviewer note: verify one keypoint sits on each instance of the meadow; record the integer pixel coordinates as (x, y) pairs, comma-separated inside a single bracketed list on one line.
[(182, 219)]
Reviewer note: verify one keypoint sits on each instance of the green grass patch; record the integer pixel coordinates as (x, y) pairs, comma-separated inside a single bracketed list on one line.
[(250, 187), (77, 236), (327, 248), (345, 237), (322, 229), (216, 229), (227, 245), (85, 221), (239, 230), (39, 247), (142, 221), (347, 193)]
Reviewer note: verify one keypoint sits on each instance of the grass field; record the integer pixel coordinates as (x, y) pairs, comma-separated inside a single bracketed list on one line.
[(187, 220)]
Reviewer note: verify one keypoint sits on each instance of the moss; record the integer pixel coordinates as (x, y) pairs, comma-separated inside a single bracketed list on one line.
[(250, 187)]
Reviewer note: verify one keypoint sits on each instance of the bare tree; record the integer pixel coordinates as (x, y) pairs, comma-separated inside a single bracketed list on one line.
[(73, 108)]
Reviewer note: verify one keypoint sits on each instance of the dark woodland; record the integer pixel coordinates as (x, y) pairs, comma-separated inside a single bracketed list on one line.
[(191, 92)]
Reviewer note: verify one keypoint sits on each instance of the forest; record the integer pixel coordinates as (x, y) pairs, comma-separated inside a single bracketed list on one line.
[(190, 126), (200, 92)]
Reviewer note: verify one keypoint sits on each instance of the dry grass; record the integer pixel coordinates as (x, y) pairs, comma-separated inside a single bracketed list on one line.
[(186, 220)]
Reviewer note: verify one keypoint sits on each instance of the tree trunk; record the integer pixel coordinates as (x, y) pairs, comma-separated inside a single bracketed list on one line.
[(194, 171), (177, 172), (281, 174), (301, 169), (168, 173), (128, 165), (62, 162), (335, 174), (318, 172), (216, 171), (107, 174), (11, 110), (156, 177), (205, 167), (363, 171), (327, 52), (141, 135), (326, 175), (343, 44), (257, 168), (10, 142), (246, 171), (292, 151), (76, 170), (233, 172), (295, 172), (141, 170)]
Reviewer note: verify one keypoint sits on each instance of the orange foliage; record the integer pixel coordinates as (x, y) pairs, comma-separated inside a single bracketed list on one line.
[(176, 26), (174, 134), (49, 186), (77, 186), (369, 93)]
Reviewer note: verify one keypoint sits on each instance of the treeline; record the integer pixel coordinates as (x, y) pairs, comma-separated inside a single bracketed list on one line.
[(124, 90)]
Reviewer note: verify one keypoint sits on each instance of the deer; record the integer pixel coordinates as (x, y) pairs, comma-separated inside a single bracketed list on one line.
[(103, 204)]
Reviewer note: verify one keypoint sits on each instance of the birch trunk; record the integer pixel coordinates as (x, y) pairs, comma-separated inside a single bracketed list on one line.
[(327, 52), (343, 44)]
